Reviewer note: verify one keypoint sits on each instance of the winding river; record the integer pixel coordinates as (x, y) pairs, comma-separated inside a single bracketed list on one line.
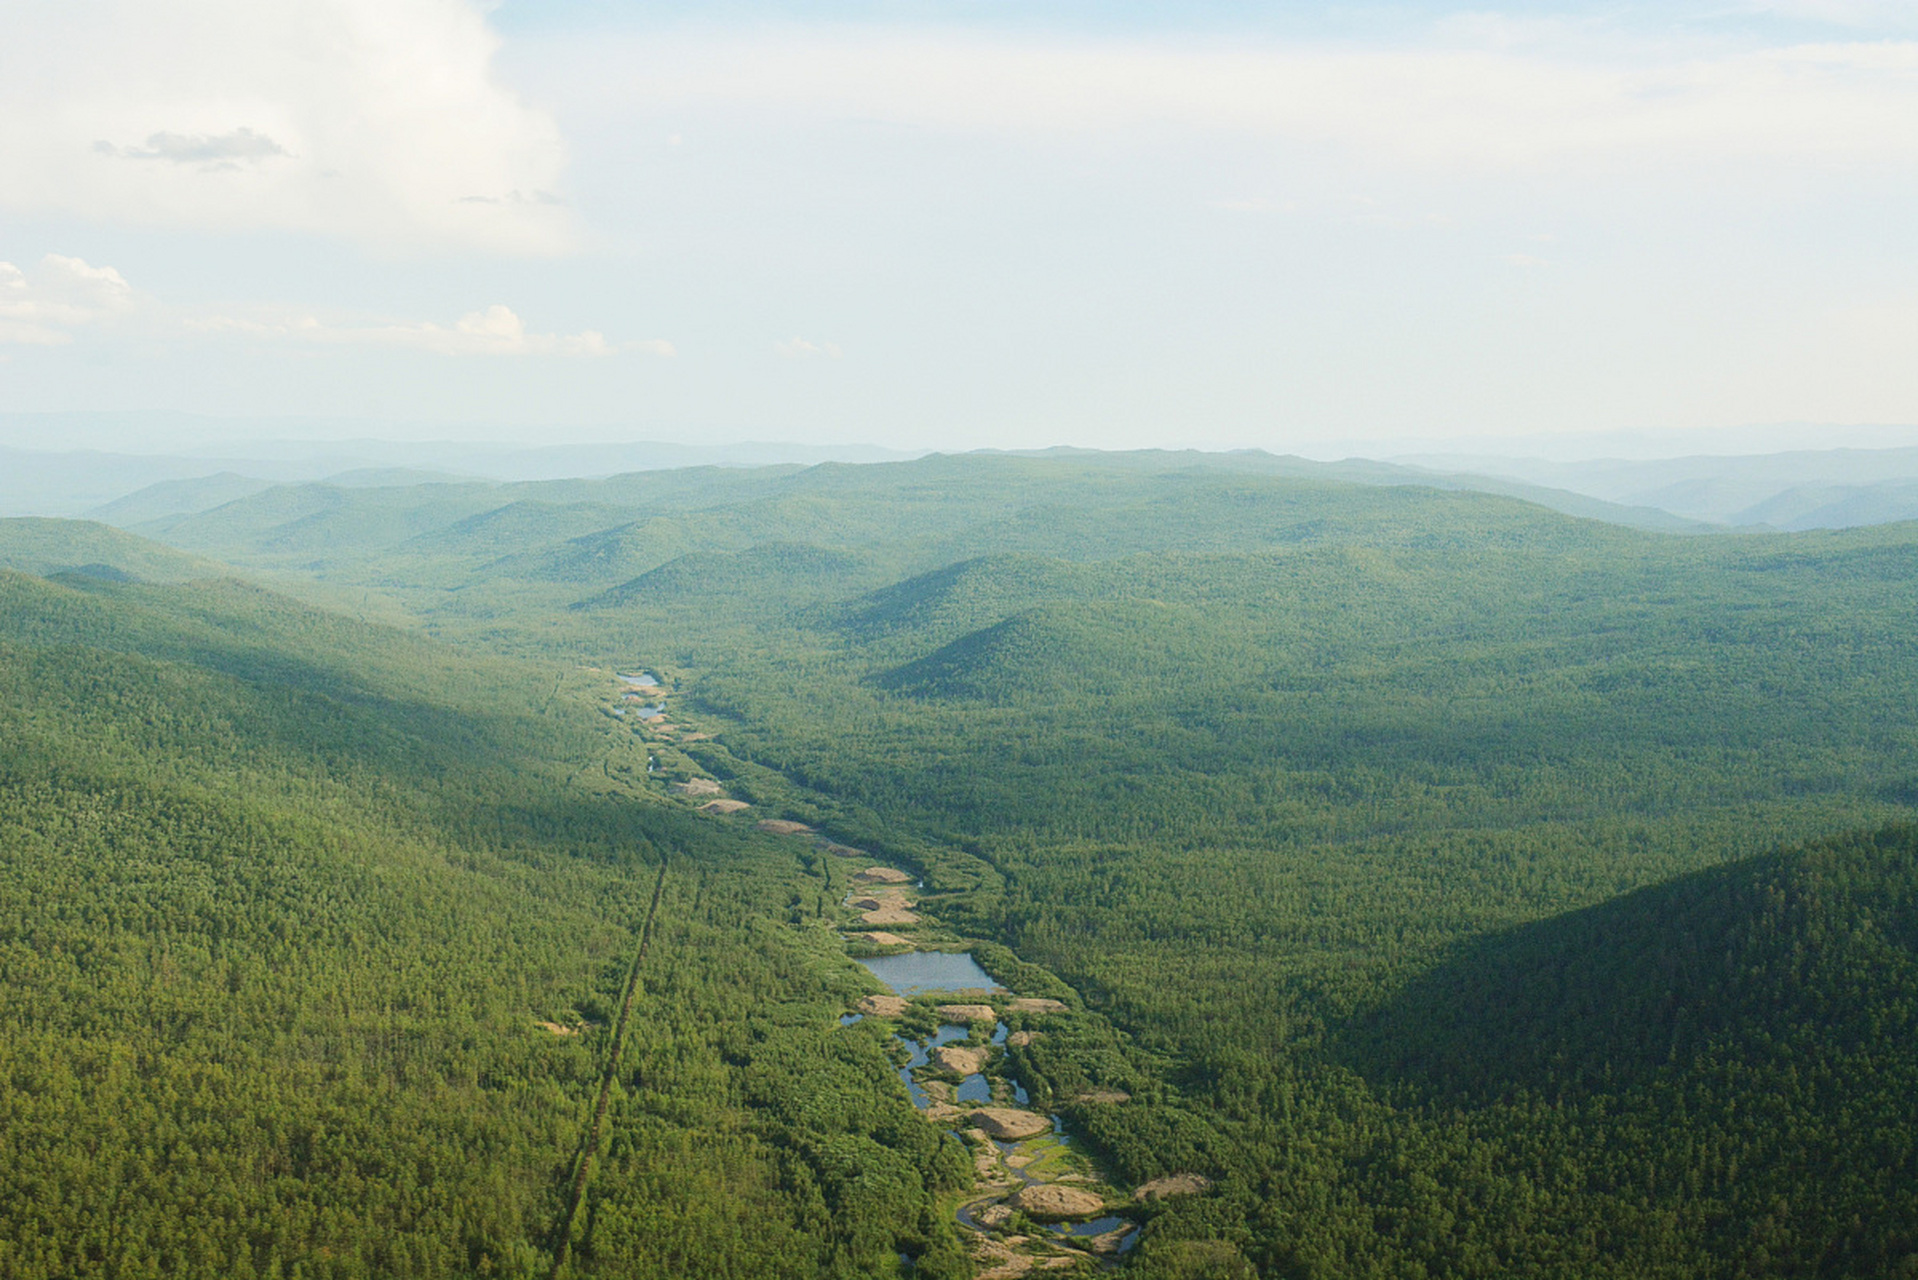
[(916, 973)]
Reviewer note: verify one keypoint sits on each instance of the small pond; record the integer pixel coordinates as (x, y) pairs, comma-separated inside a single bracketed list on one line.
[(921, 971), (1096, 1227), (641, 681)]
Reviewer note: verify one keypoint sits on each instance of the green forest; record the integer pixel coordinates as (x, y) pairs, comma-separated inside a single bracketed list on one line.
[(1439, 884)]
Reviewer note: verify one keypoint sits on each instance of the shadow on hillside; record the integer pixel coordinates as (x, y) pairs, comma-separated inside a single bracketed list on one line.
[(1811, 946)]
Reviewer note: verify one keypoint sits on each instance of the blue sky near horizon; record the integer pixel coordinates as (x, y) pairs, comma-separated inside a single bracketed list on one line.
[(944, 223)]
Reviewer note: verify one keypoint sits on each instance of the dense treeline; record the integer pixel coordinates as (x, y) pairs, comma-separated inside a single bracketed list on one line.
[(309, 942), (754, 1136), (1371, 832)]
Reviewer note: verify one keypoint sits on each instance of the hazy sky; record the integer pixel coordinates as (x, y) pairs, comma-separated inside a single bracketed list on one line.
[(963, 223)]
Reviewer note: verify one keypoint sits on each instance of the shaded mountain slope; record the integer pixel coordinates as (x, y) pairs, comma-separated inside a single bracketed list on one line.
[(42, 546), (1813, 952), (770, 575), (1738, 1047)]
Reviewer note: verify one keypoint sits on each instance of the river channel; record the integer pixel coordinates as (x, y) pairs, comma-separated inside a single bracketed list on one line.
[(918, 973)]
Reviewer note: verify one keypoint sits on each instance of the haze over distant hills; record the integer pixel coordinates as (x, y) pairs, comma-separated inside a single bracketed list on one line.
[(90, 482), (1799, 489), (1869, 477)]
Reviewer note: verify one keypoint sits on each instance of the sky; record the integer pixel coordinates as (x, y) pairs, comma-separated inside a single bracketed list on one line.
[(959, 223)]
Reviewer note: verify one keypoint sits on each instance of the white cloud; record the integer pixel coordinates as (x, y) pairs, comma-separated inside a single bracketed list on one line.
[(369, 119), (797, 348), (496, 331), (1496, 107), (223, 152), (62, 295)]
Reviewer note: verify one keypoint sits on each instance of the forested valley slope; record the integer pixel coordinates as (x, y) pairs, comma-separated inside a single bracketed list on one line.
[(1438, 884)]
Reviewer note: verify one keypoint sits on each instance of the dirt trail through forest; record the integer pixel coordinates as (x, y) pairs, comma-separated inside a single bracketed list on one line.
[(589, 1145)]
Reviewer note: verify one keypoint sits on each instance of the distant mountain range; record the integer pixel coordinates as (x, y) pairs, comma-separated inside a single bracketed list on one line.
[(1804, 489)]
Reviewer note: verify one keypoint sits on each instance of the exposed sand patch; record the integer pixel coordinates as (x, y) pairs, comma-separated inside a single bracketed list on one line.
[(1177, 1184), (968, 1013), (891, 907), (1038, 1004), (883, 875), (993, 1216), (699, 787), (724, 806), (882, 1006), (998, 1262), (784, 827), (1058, 1202), (965, 1062), (1008, 1124), (557, 1028), (1020, 1039), (885, 939)]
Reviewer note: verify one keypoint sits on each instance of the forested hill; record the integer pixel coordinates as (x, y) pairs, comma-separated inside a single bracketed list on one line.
[(917, 514), (312, 937), (1808, 956), (1413, 856), (1729, 1052), (39, 546)]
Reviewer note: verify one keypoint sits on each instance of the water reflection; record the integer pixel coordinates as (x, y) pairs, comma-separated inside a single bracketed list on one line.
[(922, 971), (921, 1055), (977, 1090)]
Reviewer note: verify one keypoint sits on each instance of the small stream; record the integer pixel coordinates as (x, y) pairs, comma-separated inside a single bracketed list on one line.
[(929, 972), (922, 1054)]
